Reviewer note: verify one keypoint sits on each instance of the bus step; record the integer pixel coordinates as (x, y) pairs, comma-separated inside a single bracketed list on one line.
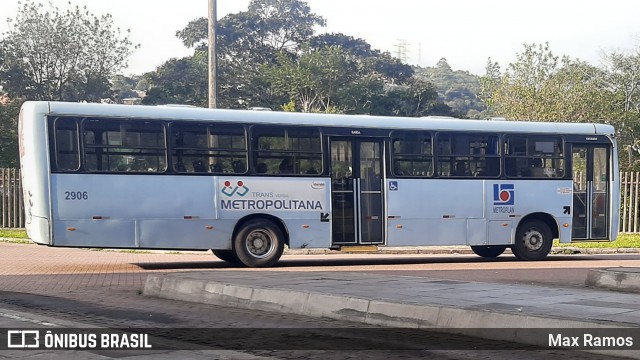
[(359, 248)]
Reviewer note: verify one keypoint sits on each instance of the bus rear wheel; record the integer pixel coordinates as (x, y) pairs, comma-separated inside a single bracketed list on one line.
[(488, 251), (227, 256), (533, 241), (259, 243)]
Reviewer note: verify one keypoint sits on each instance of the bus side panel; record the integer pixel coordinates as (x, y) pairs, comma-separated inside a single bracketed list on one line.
[(95, 233), (471, 212), (202, 234), (426, 232), (476, 231), (303, 204), (305, 234), (34, 167), (434, 211), (112, 210), (84, 196), (509, 201), (38, 229)]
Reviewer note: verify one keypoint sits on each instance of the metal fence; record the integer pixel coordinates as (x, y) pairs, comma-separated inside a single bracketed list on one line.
[(11, 205), (629, 196), (12, 210)]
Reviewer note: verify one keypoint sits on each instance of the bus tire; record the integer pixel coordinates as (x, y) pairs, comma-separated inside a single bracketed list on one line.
[(533, 241), (488, 251), (226, 256), (259, 243)]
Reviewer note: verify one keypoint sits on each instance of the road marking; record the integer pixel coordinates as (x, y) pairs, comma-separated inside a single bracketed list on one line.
[(22, 318)]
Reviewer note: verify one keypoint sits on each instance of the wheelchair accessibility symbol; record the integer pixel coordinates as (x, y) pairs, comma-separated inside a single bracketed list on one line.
[(393, 186)]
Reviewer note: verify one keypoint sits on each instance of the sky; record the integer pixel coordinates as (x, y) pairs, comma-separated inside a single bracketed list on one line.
[(465, 32)]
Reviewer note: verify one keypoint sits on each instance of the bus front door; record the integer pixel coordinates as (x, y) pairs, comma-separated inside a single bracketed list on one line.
[(356, 191), (590, 192)]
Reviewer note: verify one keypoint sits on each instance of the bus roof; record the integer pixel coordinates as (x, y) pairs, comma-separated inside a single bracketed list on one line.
[(333, 120)]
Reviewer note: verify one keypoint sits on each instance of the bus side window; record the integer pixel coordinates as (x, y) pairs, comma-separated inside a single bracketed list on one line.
[(537, 168), (216, 168), (288, 150), (261, 168), (460, 169), (238, 166), (67, 154), (492, 167), (198, 166), (286, 167)]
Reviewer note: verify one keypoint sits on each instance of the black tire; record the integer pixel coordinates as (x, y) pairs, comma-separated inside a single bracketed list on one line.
[(227, 256), (533, 241), (259, 243), (488, 251)]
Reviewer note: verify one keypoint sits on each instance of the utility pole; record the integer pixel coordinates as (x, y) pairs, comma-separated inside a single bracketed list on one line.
[(213, 56)]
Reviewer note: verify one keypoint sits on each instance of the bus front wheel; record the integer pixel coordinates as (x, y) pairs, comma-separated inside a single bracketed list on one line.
[(488, 251), (259, 243), (533, 241)]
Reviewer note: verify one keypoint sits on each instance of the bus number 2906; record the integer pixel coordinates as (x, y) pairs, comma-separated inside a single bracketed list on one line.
[(76, 195)]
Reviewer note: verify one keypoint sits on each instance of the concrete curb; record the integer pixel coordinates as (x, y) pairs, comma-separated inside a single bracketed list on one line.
[(626, 279), (466, 321)]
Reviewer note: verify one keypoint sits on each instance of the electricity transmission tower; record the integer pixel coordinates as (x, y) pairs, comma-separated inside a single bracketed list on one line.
[(401, 50)]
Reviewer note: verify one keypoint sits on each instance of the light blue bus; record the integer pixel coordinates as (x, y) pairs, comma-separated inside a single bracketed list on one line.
[(245, 184)]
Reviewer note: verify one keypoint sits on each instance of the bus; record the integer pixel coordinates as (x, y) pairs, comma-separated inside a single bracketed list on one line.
[(246, 184)]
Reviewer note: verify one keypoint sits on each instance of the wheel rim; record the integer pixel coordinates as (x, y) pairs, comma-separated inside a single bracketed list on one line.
[(260, 243), (533, 239)]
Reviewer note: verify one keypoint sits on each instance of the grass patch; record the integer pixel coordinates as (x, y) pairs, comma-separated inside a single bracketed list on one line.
[(13, 233), (623, 241), (16, 241), (131, 251)]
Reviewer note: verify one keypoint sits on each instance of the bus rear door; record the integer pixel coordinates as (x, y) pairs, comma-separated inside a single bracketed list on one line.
[(591, 191)]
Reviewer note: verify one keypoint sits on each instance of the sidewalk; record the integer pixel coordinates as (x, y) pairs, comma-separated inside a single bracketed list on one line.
[(468, 308)]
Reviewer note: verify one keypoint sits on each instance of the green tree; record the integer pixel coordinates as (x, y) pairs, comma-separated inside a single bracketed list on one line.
[(184, 81), (9, 134), (367, 70), (343, 74), (489, 85), (367, 61), (122, 87), (622, 77), (311, 81), (416, 98), (269, 57), (542, 86), (67, 55), (247, 41), (457, 89)]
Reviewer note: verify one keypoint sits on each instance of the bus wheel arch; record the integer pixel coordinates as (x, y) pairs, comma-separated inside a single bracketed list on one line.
[(534, 236), (259, 240)]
